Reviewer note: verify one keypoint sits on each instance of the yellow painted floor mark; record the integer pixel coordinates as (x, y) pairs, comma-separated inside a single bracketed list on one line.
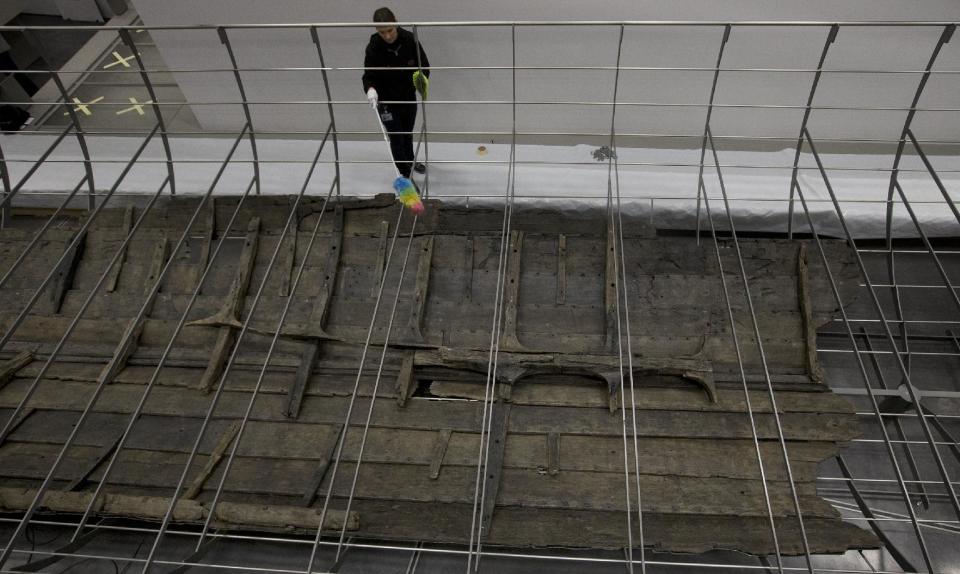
[(138, 106), (120, 61), (82, 107)]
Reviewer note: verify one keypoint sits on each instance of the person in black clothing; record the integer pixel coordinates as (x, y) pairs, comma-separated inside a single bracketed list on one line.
[(393, 92)]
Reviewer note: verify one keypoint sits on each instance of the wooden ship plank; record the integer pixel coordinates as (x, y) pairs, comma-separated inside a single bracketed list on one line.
[(560, 461)]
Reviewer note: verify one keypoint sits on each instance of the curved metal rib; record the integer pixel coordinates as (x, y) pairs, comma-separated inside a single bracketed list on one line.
[(222, 32), (81, 139), (831, 37), (862, 367), (128, 40), (902, 366), (33, 168), (333, 122), (944, 38), (706, 124)]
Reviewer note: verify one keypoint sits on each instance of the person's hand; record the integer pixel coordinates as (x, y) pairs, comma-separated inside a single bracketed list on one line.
[(372, 97), (422, 83)]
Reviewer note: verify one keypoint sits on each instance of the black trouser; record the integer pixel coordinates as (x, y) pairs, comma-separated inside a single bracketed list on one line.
[(400, 118)]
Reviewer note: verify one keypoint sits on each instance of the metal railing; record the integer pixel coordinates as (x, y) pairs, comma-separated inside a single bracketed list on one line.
[(916, 479)]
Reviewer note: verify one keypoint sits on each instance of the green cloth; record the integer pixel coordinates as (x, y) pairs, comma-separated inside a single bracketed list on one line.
[(422, 83)]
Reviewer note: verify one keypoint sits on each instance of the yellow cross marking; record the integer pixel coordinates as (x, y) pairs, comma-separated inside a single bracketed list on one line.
[(82, 107), (120, 61), (136, 106)]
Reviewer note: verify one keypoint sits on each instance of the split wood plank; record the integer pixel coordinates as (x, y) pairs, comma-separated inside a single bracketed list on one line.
[(406, 384), (209, 234), (118, 267), (315, 328), (155, 508), (63, 277), (308, 361), (572, 528), (561, 269), (806, 316), (289, 260), (321, 308), (468, 263), (493, 469), (299, 441), (610, 293), (508, 338), (134, 329), (420, 291), (381, 257), (553, 453), (215, 457), (439, 450), (229, 314), (253, 477), (157, 262), (101, 457), (458, 415), (321, 468), (8, 369), (21, 418)]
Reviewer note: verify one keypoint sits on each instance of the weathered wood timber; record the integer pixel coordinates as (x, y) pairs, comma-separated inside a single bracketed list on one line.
[(556, 450), (229, 314), (63, 276), (115, 271), (9, 368)]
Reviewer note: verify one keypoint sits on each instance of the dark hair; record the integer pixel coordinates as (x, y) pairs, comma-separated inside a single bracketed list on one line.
[(384, 15)]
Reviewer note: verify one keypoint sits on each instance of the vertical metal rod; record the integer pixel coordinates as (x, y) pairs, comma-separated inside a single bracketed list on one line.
[(743, 379), (273, 344), (886, 326), (933, 174), (176, 332), (168, 515), (225, 40), (81, 138), (33, 168), (36, 238), (706, 123), (76, 239), (356, 388), (128, 40), (944, 38), (93, 398), (619, 266), (831, 37), (476, 521), (763, 357), (423, 108), (333, 121)]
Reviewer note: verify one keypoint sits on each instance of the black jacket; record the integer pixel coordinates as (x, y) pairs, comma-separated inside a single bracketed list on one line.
[(393, 84)]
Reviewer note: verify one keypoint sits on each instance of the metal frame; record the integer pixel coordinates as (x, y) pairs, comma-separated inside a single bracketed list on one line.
[(933, 486)]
